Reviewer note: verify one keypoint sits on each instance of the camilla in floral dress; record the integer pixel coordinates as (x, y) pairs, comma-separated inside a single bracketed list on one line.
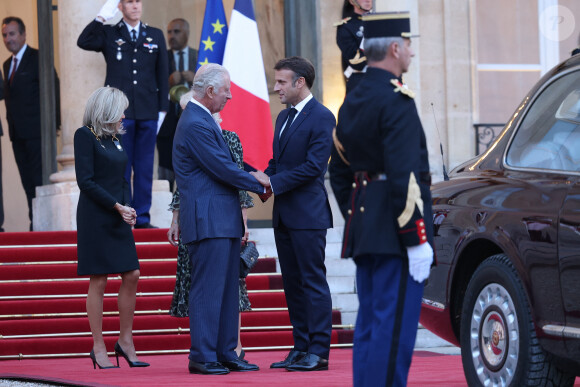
[(180, 301)]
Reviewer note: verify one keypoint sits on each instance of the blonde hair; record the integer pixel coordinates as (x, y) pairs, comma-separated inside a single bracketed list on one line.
[(104, 110)]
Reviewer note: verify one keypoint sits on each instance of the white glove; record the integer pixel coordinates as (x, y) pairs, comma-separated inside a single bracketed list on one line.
[(420, 259), (160, 119), (109, 10)]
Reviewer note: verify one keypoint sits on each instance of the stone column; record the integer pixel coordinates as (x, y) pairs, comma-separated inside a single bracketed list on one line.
[(81, 72)]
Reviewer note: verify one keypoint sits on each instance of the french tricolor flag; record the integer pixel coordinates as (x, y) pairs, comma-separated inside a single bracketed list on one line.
[(248, 112)]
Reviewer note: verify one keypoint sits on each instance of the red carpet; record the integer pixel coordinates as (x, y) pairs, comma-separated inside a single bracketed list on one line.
[(427, 369), (42, 300)]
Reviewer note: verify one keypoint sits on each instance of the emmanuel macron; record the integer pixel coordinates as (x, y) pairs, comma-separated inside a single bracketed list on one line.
[(137, 64)]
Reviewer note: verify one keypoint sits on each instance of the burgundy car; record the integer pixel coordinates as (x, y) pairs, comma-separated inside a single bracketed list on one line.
[(506, 285)]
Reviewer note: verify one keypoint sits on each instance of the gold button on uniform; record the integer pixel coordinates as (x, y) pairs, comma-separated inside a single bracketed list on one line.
[(362, 209), (353, 185), (365, 183), (349, 212)]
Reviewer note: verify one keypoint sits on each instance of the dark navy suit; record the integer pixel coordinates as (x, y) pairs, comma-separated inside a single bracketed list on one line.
[(22, 98), (140, 70), (301, 216), (210, 220), (167, 130)]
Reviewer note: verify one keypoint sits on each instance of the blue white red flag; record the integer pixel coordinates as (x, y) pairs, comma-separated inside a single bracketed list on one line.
[(248, 112), (214, 33)]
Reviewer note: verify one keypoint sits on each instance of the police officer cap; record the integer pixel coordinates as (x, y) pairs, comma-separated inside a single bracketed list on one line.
[(387, 25)]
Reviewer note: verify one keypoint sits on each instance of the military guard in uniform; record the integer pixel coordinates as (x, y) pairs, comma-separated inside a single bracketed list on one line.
[(137, 64), (349, 35), (379, 172)]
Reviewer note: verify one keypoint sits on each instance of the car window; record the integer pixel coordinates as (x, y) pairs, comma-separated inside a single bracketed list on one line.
[(549, 135)]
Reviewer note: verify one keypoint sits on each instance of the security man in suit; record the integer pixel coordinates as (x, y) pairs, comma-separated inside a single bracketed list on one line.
[(301, 213), (349, 35), (182, 64), (136, 64), (22, 97), (380, 175)]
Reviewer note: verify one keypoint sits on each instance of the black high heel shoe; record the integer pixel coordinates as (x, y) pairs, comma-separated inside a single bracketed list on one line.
[(95, 364), (119, 351)]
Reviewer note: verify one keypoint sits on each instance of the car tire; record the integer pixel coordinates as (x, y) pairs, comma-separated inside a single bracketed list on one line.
[(498, 339)]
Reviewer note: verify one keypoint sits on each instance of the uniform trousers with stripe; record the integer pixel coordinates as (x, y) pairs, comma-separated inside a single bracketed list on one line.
[(386, 325), (213, 299), (139, 143)]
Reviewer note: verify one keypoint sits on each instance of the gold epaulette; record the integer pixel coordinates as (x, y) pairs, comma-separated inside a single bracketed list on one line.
[(343, 21), (402, 88), (339, 147), (357, 58)]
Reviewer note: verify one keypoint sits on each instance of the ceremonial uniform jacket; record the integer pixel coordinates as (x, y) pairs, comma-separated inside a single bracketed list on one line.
[(138, 69), (379, 169), (349, 34)]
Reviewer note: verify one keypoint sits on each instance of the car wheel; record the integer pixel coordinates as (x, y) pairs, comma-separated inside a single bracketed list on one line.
[(498, 340)]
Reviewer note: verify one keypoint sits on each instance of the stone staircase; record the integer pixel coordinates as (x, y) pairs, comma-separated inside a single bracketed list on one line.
[(341, 280)]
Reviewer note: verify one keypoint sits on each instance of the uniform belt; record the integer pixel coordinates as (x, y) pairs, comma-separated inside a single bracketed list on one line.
[(424, 178), (370, 176)]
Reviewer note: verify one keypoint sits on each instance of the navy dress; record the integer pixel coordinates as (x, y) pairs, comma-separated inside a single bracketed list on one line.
[(105, 242)]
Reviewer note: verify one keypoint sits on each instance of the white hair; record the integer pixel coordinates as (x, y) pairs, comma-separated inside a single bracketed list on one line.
[(211, 74)]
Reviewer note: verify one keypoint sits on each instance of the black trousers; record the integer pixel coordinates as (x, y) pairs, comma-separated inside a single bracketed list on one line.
[(28, 155)]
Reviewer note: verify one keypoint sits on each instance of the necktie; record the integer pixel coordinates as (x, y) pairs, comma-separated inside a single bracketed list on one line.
[(133, 35), (180, 64), (13, 70), (291, 116)]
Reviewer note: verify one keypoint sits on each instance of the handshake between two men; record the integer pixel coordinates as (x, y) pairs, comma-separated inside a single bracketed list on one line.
[(265, 181)]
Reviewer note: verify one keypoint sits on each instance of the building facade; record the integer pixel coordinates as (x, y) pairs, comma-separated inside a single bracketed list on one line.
[(475, 60)]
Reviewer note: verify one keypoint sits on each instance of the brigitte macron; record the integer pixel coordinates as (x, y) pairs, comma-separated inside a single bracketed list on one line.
[(104, 238)]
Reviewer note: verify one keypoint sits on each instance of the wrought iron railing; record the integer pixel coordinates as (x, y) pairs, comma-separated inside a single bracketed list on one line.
[(485, 135)]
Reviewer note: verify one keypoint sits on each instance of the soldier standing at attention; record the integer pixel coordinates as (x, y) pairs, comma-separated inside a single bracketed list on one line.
[(380, 175), (349, 35), (136, 58)]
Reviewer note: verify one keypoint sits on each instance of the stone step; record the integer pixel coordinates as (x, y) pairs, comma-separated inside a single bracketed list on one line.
[(428, 340)]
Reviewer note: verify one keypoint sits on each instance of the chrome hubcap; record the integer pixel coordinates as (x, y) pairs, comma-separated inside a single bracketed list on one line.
[(494, 337)]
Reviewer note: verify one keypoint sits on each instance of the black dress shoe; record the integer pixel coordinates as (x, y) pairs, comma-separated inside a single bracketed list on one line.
[(145, 225), (310, 362), (292, 357), (238, 365), (242, 355), (213, 368)]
